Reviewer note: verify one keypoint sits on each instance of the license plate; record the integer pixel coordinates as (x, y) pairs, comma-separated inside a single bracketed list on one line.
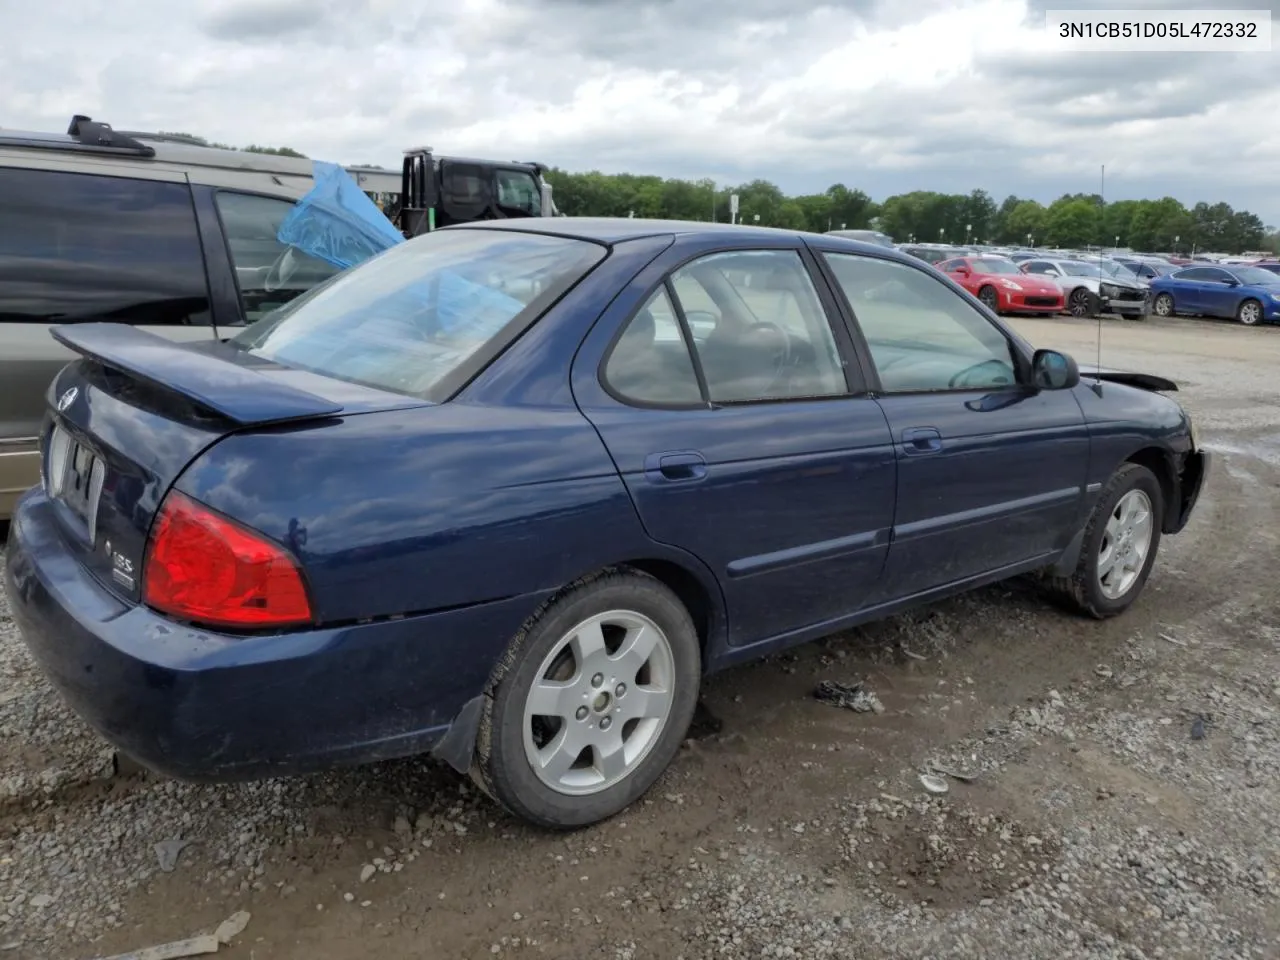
[(75, 476)]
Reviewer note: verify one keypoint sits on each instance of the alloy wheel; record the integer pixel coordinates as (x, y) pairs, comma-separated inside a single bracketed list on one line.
[(601, 700), (1126, 541)]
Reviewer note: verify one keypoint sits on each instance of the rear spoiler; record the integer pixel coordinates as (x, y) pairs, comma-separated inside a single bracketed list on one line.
[(241, 394)]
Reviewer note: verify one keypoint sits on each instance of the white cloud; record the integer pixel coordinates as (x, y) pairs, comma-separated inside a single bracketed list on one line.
[(880, 94)]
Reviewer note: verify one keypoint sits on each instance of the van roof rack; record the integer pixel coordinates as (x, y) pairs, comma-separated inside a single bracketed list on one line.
[(88, 133), (82, 135)]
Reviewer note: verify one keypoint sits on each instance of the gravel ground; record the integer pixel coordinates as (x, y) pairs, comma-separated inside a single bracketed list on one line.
[(1091, 820)]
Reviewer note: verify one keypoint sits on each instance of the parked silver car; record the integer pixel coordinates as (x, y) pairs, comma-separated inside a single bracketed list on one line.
[(1089, 288)]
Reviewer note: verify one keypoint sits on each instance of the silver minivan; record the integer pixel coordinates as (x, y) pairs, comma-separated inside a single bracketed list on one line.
[(171, 235)]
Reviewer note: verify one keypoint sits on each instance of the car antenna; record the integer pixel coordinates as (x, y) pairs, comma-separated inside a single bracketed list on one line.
[(1102, 198)]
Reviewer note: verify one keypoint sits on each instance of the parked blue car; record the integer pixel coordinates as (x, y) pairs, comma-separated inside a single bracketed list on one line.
[(1248, 294), (507, 492)]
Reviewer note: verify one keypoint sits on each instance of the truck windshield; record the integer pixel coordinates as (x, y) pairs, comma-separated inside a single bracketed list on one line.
[(517, 190)]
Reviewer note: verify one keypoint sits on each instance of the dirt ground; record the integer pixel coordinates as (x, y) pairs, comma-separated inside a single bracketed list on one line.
[(1095, 823)]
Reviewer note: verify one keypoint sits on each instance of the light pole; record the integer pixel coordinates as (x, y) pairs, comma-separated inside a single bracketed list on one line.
[(1030, 240), (967, 227), (1176, 238), (942, 232)]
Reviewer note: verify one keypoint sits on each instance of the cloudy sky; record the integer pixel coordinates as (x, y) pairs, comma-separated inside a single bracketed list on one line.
[(885, 95)]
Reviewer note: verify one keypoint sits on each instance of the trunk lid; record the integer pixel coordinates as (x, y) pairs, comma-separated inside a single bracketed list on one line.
[(132, 413)]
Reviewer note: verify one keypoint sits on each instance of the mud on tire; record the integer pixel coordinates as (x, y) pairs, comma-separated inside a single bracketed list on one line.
[(548, 650), (1083, 590)]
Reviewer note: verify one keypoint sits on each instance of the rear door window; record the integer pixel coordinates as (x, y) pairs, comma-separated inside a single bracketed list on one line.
[(269, 273), (76, 247)]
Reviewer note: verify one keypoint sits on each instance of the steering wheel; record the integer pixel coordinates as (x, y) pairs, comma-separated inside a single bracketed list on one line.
[(279, 273), (701, 318), (1002, 375), (778, 341)]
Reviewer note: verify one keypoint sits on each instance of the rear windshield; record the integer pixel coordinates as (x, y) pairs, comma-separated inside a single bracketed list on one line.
[(421, 318)]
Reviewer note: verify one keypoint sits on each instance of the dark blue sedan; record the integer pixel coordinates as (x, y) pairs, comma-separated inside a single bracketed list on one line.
[(507, 492), (1248, 294)]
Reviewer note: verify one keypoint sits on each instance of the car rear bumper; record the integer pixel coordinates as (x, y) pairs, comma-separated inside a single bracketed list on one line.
[(197, 705)]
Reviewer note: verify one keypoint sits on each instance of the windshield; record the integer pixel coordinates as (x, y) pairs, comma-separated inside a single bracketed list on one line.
[(518, 190), (988, 265), (412, 320), (1117, 270), (1255, 275), (1075, 268)]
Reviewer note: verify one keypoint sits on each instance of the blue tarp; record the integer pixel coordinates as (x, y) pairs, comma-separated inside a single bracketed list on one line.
[(336, 221)]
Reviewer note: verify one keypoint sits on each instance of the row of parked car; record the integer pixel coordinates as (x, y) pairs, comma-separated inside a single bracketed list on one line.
[(1129, 285)]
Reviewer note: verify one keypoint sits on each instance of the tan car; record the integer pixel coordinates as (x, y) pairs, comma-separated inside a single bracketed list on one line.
[(170, 235)]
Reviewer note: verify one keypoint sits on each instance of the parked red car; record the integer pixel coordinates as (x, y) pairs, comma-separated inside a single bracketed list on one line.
[(1004, 288)]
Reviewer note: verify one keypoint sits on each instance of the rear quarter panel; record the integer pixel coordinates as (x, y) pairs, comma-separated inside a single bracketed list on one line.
[(412, 511)]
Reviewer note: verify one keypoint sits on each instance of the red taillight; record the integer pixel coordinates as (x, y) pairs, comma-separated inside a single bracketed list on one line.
[(206, 569)]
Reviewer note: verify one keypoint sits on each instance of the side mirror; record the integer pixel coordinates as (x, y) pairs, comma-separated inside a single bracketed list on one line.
[(1053, 370), (1231, 282), (961, 271)]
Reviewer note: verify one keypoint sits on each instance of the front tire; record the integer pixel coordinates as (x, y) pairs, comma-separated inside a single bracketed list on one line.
[(989, 297), (1163, 306), (1249, 313), (1119, 547), (590, 703)]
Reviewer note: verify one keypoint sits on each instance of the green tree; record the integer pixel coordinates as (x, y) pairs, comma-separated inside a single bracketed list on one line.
[(1026, 220), (1117, 221), (1072, 222), (1074, 219), (1162, 224), (1000, 223)]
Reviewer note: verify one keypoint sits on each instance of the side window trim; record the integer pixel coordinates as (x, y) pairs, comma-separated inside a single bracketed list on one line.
[(804, 255), (875, 386), (214, 192), (871, 385), (226, 302), (856, 379), (854, 369), (685, 336)]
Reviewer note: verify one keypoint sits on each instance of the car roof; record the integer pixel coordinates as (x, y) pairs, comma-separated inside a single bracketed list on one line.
[(610, 230)]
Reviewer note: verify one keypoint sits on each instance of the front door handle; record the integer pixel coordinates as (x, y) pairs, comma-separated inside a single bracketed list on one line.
[(918, 441), (675, 466)]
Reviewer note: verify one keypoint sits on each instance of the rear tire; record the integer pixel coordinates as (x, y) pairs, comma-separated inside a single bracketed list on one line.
[(1118, 551), (590, 702), (1249, 313), (1083, 302)]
